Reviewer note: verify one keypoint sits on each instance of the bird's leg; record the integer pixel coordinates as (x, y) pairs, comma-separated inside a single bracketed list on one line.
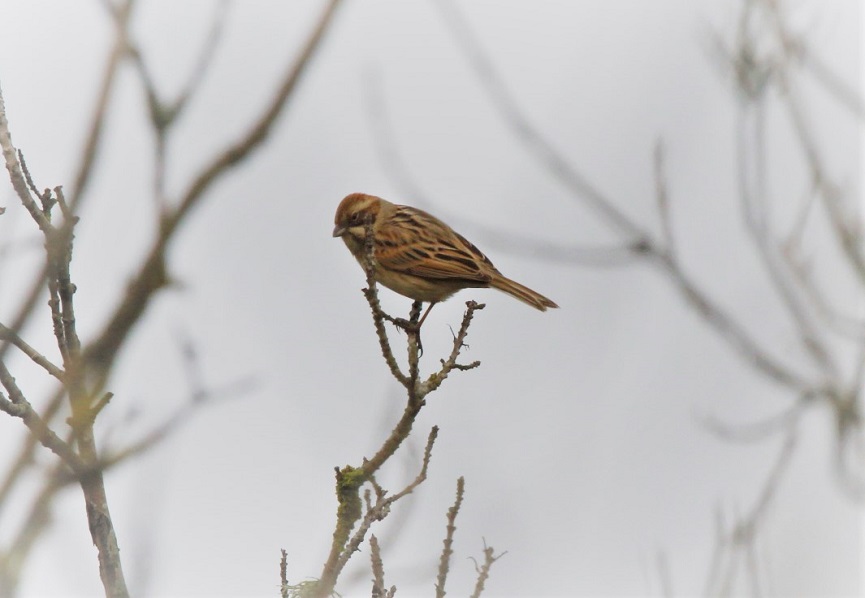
[(426, 313), (414, 322)]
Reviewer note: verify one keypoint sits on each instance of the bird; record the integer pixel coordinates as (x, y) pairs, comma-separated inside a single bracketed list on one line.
[(418, 256)]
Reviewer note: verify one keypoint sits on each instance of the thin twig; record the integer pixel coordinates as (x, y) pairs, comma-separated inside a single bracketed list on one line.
[(754, 200), (761, 429), (447, 550), (16, 173), (27, 450), (740, 539), (378, 315), (483, 570), (18, 406), (378, 589), (9, 335), (841, 215), (435, 379), (283, 573)]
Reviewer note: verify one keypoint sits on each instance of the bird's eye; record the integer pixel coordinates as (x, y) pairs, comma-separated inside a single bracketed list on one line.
[(354, 218)]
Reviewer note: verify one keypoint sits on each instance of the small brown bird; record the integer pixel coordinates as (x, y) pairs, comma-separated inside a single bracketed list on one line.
[(419, 256)]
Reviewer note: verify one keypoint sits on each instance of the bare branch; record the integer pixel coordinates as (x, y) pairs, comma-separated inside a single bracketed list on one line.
[(740, 540), (16, 173), (762, 429), (18, 406), (283, 574), (842, 215), (447, 550), (163, 114), (27, 451), (754, 199), (831, 82), (378, 314), (435, 380), (345, 544), (121, 15), (8, 335), (732, 331), (238, 151), (483, 570), (378, 588)]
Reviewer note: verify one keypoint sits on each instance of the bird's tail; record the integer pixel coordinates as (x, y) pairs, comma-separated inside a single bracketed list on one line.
[(523, 293)]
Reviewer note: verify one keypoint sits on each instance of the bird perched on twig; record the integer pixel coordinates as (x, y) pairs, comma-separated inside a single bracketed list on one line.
[(419, 256)]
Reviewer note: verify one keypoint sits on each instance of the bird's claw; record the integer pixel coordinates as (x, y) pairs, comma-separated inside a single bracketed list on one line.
[(404, 324), (411, 328)]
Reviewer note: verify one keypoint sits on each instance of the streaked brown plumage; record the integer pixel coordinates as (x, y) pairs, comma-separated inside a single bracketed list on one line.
[(418, 255)]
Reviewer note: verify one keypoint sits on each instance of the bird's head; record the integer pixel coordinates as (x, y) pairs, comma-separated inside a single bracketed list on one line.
[(353, 213)]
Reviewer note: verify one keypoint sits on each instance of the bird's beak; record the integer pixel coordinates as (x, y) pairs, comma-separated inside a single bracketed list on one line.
[(338, 231)]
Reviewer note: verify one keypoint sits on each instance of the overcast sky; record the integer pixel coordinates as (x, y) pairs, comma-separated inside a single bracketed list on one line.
[(581, 436)]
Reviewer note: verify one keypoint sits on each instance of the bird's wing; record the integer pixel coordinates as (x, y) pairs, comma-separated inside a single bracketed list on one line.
[(414, 242)]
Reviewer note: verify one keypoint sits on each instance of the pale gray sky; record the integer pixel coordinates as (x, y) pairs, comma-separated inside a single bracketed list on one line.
[(580, 436)]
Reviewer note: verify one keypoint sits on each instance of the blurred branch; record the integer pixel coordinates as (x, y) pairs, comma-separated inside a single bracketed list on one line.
[(18, 406), (120, 13), (9, 335), (736, 548), (768, 250), (85, 371), (662, 197), (13, 558), (165, 114), (534, 141), (509, 242), (636, 237), (756, 71), (843, 215), (60, 476), (151, 275), (831, 82), (762, 429), (27, 450)]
